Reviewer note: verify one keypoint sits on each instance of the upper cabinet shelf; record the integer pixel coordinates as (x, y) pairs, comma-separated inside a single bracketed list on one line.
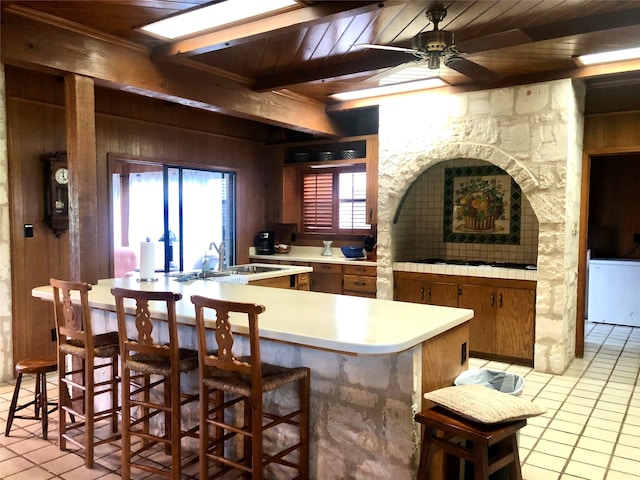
[(326, 152)]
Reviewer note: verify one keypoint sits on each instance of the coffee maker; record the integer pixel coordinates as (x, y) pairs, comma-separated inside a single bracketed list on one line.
[(264, 242)]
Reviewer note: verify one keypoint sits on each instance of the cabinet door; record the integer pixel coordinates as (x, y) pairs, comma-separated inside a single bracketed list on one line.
[(482, 327), (515, 322), (442, 293), (326, 277), (291, 201), (408, 290)]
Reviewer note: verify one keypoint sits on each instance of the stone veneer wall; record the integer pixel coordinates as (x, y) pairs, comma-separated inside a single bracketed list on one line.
[(6, 336), (362, 406), (534, 133)]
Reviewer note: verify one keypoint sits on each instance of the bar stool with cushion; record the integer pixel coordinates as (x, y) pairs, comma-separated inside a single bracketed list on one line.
[(245, 380), (80, 377), (38, 367), (476, 424), (147, 364)]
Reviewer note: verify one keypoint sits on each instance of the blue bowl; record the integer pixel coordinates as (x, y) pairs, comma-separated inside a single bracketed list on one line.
[(352, 252)]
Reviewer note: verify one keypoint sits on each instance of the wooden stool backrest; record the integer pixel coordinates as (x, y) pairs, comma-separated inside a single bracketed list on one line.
[(225, 357), (69, 326), (147, 341)]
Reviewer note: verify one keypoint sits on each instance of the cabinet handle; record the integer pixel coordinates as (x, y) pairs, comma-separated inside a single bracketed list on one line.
[(359, 283), (422, 293), (370, 215), (325, 267), (429, 294), (361, 269), (493, 298), (500, 301)]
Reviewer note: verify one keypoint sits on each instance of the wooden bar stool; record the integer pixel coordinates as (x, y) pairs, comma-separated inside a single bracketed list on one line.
[(38, 367), (245, 380), (78, 349), (469, 441), (144, 356)]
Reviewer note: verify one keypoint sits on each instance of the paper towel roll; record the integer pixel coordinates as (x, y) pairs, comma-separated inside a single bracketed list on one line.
[(147, 261)]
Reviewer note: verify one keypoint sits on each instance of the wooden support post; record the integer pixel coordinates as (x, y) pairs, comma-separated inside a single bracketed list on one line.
[(83, 175)]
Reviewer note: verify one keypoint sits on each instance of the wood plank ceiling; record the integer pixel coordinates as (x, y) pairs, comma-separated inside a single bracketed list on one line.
[(315, 51)]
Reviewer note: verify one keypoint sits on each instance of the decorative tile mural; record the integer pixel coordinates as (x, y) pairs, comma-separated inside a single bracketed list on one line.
[(481, 205)]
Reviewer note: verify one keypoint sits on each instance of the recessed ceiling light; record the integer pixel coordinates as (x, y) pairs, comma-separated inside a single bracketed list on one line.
[(213, 16), (391, 89), (613, 56)]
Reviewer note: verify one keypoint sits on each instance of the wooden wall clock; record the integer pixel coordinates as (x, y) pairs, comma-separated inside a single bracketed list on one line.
[(56, 194)]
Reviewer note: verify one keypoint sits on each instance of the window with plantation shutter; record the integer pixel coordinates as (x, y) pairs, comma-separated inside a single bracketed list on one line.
[(317, 201), (334, 200)]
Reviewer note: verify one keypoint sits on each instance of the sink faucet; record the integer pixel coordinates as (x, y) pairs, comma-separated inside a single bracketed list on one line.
[(221, 253)]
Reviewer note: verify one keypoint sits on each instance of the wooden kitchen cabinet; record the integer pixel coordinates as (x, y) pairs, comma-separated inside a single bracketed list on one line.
[(515, 339), (416, 288), (326, 277), (359, 280), (482, 327), (503, 323), (503, 326)]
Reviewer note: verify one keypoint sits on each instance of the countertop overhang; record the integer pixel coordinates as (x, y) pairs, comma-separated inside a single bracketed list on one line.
[(340, 323)]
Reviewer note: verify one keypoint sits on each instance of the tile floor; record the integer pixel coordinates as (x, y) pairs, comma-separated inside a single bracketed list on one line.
[(591, 429)]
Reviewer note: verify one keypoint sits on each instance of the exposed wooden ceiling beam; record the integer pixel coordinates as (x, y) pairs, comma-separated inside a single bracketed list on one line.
[(258, 29), (582, 73), (35, 44)]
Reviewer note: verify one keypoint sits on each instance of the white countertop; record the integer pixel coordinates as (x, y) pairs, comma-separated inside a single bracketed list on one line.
[(467, 270), (311, 254), (341, 323)]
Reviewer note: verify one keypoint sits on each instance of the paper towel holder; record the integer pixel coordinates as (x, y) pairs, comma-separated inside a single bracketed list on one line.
[(144, 259)]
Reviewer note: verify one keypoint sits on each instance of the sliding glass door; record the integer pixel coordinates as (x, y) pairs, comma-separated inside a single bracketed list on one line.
[(185, 212)]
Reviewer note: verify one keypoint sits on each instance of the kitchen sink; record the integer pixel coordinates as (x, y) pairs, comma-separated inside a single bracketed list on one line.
[(249, 269)]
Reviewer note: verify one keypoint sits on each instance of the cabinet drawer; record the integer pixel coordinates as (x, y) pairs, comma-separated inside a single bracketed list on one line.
[(356, 283), (326, 267), (363, 270)]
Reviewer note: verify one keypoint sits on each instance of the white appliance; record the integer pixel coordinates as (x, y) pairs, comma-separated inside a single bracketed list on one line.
[(614, 292)]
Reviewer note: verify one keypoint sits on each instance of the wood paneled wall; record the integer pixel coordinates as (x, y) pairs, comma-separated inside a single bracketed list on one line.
[(126, 125), (614, 198)]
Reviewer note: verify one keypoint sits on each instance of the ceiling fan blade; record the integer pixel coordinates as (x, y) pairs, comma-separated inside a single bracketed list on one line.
[(549, 31), (508, 38), (387, 47), (471, 69), (380, 77)]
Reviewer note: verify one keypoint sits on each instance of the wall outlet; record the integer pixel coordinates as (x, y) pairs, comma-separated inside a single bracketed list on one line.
[(636, 238), (463, 353)]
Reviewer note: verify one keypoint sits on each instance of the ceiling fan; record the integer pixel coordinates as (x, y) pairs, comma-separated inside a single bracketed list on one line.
[(436, 46)]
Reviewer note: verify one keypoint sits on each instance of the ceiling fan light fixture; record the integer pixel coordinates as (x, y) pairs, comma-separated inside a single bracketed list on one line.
[(432, 45)]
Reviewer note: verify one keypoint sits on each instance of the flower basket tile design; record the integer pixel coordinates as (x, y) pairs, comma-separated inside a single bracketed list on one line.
[(481, 205)]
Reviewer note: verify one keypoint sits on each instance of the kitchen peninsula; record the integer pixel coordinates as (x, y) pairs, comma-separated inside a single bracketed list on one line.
[(371, 360)]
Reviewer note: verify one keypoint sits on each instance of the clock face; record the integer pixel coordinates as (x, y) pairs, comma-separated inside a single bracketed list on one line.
[(62, 176)]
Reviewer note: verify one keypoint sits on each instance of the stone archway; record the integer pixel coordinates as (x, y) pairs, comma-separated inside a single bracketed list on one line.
[(534, 133)]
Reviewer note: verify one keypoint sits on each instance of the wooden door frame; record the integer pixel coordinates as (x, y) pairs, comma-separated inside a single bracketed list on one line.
[(587, 155)]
